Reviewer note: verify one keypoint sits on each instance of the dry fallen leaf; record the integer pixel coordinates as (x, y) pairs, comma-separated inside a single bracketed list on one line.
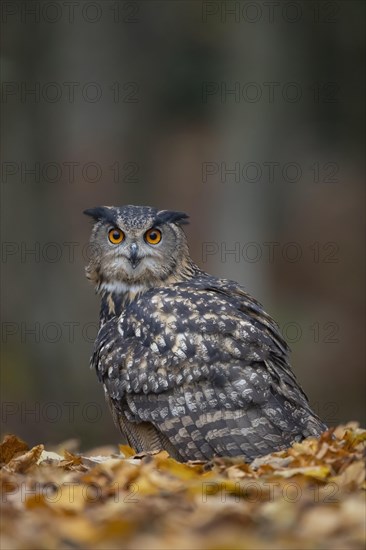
[(23, 462), (11, 446)]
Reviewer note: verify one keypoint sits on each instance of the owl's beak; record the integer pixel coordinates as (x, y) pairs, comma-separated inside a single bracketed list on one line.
[(133, 257)]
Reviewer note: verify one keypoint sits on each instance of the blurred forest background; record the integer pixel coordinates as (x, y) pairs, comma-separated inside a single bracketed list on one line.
[(249, 116)]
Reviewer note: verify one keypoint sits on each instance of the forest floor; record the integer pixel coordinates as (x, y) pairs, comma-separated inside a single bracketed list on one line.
[(311, 496)]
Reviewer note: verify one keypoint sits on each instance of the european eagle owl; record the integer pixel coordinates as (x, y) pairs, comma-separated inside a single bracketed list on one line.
[(189, 363)]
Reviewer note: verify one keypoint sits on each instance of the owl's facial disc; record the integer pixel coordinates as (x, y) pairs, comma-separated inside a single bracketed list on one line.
[(137, 246), (133, 259)]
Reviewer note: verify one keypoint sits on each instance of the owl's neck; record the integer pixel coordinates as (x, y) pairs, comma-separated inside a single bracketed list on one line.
[(115, 298), (117, 295)]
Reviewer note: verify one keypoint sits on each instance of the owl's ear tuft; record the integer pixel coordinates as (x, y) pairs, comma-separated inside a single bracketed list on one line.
[(171, 216), (101, 213)]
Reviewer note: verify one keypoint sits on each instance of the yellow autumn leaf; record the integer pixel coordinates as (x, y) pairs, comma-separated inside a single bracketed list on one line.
[(177, 469), (127, 451)]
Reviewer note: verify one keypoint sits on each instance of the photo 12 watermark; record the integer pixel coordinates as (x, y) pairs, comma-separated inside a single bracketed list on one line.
[(268, 491), (270, 172), (68, 492), (69, 92), (68, 172), (271, 252), (72, 12), (51, 412), (269, 12), (269, 92)]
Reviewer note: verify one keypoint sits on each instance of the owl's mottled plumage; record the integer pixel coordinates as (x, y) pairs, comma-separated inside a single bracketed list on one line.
[(189, 363)]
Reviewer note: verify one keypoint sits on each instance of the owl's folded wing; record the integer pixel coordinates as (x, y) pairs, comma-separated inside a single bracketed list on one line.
[(208, 369)]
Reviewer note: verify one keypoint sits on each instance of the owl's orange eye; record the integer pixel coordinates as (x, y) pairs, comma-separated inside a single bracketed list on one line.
[(153, 236), (116, 236)]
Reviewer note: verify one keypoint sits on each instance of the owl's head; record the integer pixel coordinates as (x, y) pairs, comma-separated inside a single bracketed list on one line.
[(136, 247)]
